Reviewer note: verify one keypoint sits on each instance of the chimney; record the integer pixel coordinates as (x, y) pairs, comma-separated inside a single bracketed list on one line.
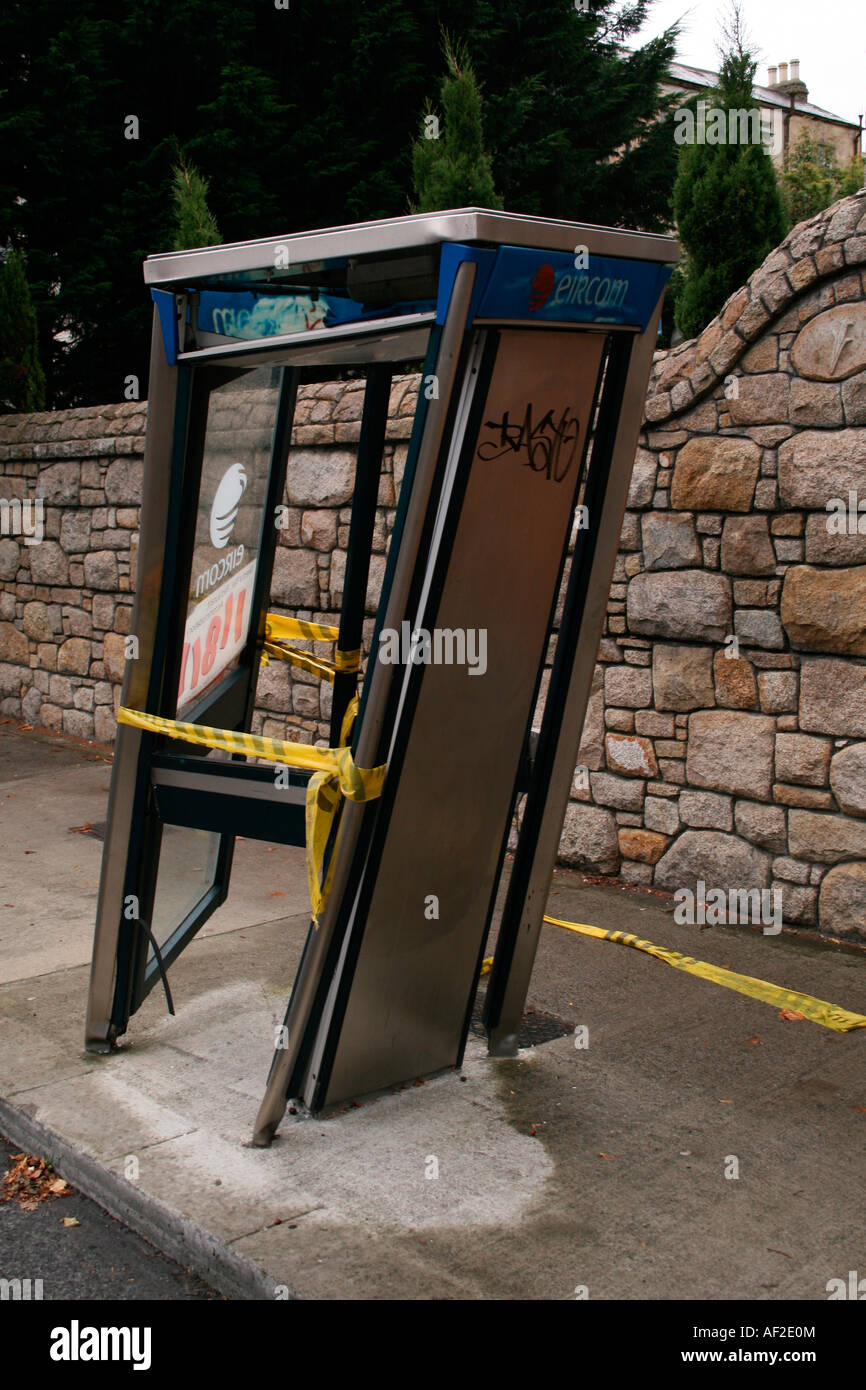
[(771, 74), (793, 86)]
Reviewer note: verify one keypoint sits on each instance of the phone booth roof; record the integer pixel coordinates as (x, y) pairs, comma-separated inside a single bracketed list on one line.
[(358, 286), (273, 258)]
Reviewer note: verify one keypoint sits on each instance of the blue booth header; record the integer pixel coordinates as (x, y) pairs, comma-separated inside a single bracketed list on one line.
[(517, 282)]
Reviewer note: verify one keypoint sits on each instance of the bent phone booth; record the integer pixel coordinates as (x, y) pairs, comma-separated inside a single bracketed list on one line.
[(533, 339)]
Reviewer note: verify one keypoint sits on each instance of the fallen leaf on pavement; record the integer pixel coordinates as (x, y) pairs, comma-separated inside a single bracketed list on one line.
[(791, 1015), (70, 1221), (30, 1181)]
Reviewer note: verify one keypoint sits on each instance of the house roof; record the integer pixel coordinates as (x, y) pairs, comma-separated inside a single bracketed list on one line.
[(685, 74)]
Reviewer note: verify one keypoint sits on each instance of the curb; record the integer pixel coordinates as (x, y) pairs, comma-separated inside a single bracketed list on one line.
[(174, 1235)]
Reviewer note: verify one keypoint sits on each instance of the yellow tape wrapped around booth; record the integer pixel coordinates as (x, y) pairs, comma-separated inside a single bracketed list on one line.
[(278, 633), (336, 776)]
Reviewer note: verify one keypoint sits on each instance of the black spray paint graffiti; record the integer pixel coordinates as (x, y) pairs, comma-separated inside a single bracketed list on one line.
[(549, 447)]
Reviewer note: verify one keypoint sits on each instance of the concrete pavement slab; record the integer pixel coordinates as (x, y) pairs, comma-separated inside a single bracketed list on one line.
[(53, 802)]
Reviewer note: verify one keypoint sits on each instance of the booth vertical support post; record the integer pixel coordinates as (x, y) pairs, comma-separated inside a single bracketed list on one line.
[(283, 427), (166, 404), (374, 424)]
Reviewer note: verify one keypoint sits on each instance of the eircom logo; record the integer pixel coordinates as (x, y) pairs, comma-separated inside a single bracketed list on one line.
[(541, 286), (224, 508)]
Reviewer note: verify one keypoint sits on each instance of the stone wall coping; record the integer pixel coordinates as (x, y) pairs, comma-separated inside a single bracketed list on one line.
[(78, 432), (813, 251)]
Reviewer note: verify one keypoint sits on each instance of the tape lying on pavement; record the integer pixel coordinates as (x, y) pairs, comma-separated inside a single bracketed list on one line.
[(817, 1010)]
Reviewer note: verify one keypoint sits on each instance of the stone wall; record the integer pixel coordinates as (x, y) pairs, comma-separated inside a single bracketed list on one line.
[(725, 736), (726, 733), (66, 602)]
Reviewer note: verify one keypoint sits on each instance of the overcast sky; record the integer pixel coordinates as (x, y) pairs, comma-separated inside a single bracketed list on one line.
[(828, 37)]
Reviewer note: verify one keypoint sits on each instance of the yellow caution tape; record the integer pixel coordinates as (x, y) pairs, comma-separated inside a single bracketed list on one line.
[(304, 661), (323, 801), (347, 661), (336, 776), (278, 631), (281, 628), (818, 1010), (348, 721)]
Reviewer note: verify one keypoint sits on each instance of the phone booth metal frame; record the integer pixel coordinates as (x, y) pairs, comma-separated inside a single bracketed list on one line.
[(539, 338)]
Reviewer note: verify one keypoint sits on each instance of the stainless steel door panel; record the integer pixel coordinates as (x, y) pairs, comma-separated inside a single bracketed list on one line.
[(415, 975)]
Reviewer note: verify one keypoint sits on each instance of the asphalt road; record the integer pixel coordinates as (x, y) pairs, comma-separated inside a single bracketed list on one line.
[(99, 1259)]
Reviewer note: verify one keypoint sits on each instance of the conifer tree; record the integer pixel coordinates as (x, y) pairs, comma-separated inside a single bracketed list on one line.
[(727, 203), (449, 165), (195, 224), (22, 380)]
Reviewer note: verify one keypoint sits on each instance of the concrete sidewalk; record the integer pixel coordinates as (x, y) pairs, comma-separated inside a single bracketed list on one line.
[(602, 1168)]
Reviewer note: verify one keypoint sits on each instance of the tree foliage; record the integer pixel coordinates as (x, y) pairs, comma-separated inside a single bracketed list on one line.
[(852, 177), (449, 166), (195, 224), (300, 117), (811, 178), (22, 380), (727, 204)]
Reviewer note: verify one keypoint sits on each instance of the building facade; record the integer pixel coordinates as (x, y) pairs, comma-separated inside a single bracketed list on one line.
[(785, 110)]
